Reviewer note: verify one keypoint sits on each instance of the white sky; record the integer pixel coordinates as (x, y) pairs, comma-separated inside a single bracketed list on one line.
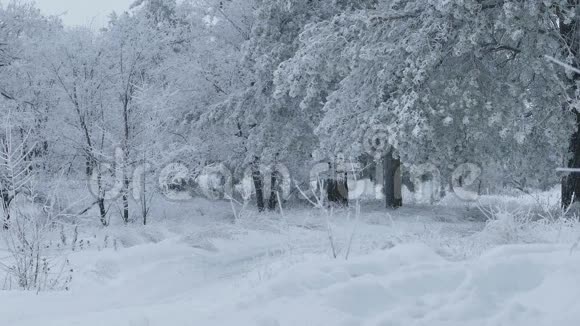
[(91, 13)]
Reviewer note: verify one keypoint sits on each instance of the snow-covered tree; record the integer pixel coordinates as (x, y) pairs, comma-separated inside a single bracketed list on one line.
[(136, 46), (75, 60), (448, 82), (22, 81), (271, 129)]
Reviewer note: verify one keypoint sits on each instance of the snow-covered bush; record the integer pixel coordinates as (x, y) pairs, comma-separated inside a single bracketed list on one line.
[(541, 221), (34, 264), (508, 226)]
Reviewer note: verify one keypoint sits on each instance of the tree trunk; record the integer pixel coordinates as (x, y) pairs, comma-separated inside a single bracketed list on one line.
[(273, 200), (126, 200), (6, 201), (336, 187), (258, 186), (392, 181), (144, 209), (101, 199), (569, 34), (330, 186), (342, 189), (126, 158), (571, 182), (102, 211)]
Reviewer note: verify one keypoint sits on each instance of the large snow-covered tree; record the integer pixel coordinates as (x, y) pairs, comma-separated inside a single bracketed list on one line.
[(22, 81), (448, 82), (137, 45), (75, 61), (271, 129)]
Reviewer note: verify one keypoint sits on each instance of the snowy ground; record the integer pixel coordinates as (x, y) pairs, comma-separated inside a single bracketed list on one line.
[(420, 265)]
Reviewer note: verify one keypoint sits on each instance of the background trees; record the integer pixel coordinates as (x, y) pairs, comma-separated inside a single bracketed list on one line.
[(257, 83)]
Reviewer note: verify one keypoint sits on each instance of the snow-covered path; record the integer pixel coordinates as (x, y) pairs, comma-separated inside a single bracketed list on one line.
[(402, 271)]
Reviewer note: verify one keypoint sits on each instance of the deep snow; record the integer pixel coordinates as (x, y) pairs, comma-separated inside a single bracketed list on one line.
[(420, 265)]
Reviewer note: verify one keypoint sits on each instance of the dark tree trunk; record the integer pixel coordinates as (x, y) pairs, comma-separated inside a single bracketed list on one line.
[(258, 186), (101, 199), (330, 185), (342, 188), (6, 201), (392, 181), (571, 182), (92, 167), (102, 211), (569, 33), (273, 201), (337, 190), (144, 209), (126, 200), (126, 101)]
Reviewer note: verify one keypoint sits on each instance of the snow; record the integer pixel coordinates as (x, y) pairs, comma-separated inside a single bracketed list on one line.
[(144, 105), (421, 265)]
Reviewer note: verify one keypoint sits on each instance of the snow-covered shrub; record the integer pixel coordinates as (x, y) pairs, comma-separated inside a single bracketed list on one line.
[(541, 221), (39, 232), (33, 263), (508, 226)]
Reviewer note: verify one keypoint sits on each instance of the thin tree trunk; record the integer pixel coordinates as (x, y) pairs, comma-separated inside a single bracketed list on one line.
[(144, 209), (101, 200), (125, 158), (126, 200), (6, 201), (102, 211), (392, 181)]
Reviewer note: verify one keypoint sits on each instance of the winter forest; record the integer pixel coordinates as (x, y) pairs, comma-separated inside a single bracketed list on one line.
[(291, 162)]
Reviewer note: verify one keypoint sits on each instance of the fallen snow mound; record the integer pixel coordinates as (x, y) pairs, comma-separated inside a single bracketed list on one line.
[(412, 285), (409, 284)]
